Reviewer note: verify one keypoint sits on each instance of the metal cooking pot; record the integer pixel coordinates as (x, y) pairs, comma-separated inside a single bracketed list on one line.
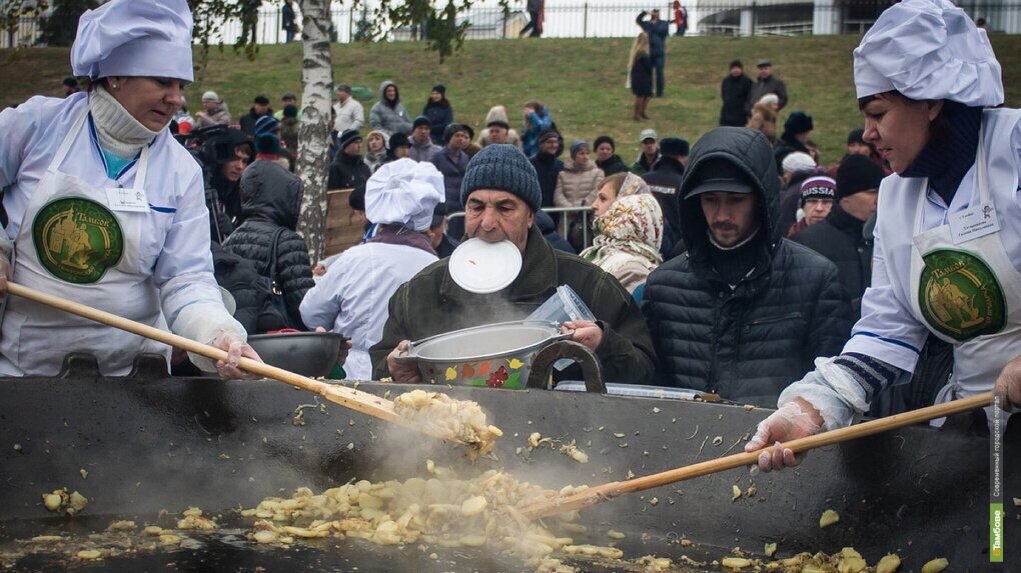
[(306, 353), (495, 355)]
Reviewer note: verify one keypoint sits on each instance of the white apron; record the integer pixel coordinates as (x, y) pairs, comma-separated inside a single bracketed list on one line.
[(80, 243), (968, 292)]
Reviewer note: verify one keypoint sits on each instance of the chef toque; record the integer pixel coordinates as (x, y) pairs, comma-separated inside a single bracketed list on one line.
[(404, 192), (928, 49), (134, 38)]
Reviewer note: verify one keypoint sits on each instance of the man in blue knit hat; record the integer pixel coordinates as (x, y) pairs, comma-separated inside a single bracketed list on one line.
[(500, 193)]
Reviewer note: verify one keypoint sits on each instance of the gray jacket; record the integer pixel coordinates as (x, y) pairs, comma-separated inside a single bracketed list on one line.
[(389, 120)]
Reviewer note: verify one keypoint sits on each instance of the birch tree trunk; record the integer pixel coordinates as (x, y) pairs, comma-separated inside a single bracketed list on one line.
[(314, 130)]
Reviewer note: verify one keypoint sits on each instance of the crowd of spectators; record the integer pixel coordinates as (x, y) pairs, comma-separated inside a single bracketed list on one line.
[(710, 247)]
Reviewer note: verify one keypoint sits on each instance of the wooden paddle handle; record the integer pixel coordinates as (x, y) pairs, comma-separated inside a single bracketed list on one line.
[(604, 492), (355, 399)]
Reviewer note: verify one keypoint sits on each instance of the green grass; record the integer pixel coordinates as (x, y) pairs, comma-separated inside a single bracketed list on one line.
[(581, 80)]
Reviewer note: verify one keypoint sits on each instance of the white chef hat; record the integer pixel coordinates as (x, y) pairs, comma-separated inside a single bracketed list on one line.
[(134, 38), (404, 192), (928, 49)]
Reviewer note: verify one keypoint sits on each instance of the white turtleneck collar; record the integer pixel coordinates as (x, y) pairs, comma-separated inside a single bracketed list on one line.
[(119, 132)]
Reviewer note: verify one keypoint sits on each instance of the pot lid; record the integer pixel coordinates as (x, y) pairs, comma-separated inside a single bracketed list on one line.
[(481, 267)]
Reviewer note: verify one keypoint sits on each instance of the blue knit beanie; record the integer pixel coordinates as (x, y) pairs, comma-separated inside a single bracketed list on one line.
[(505, 168), (266, 124), (577, 146), (267, 143)]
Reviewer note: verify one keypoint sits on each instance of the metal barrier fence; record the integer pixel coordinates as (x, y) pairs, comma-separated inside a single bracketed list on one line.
[(563, 229), (574, 19)]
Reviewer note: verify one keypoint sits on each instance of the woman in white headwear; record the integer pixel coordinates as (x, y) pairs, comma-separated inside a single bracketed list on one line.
[(105, 207), (352, 297), (948, 236)]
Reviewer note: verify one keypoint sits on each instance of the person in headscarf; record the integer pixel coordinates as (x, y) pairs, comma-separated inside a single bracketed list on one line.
[(947, 252), (628, 239), (351, 298)]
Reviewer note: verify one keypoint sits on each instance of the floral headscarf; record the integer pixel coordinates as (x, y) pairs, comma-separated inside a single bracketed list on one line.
[(633, 185), (630, 230)]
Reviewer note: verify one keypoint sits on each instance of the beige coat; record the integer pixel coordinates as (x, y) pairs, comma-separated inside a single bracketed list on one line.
[(576, 185)]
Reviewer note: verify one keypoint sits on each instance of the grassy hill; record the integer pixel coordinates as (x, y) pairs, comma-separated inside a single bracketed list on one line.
[(581, 80)]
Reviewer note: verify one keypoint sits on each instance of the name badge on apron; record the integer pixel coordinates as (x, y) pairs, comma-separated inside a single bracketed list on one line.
[(973, 223), (126, 199)]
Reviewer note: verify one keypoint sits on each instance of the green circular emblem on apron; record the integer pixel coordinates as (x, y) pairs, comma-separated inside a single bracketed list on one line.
[(960, 296), (77, 239)]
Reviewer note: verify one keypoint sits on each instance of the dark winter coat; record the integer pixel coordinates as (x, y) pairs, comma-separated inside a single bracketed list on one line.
[(548, 228), (770, 85), (747, 343), (247, 121), (612, 165), (784, 147), (642, 165), (453, 174), (657, 31), (254, 311), (734, 92), (432, 303), (348, 172), (440, 115), (641, 76), (548, 168), (287, 20), (665, 183), (840, 238), (271, 199), (790, 200), (229, 194)]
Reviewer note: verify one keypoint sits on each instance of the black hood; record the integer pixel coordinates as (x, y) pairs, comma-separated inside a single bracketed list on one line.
[(271, 193), (751, 153)]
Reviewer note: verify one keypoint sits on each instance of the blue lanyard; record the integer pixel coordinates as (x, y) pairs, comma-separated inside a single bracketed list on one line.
[(94, 136)]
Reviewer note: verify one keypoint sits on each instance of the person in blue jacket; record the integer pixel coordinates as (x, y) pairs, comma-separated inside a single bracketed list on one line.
[(658, 30)]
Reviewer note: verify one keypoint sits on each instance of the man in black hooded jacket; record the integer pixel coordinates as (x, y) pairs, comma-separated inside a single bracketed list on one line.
[(271, 202), (743, 312)]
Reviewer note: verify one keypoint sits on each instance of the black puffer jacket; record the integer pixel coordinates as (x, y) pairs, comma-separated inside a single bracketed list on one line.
[(254, 310), (348, 172), (749, 342), (840, 239), (271, 199)]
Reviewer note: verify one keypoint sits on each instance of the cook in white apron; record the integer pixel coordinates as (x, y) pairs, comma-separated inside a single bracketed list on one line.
[(81, 242), (965, 288)]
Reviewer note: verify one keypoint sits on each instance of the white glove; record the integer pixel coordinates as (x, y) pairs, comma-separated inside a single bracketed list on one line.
[(236, 347), (795, 419), (5, 274)]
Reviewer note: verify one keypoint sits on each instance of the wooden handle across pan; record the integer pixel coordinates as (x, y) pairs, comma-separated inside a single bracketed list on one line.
[(363, 402), (598, 494)]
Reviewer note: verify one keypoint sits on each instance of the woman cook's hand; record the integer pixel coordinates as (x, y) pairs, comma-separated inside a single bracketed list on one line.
[(236, 348), (793, 420), (585, 332), (5, 275), (402, 371), (1008, 385)]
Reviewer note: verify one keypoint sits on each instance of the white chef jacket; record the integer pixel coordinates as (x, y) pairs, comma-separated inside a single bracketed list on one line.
[(888, 329), (353, 297), (174, 256)]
